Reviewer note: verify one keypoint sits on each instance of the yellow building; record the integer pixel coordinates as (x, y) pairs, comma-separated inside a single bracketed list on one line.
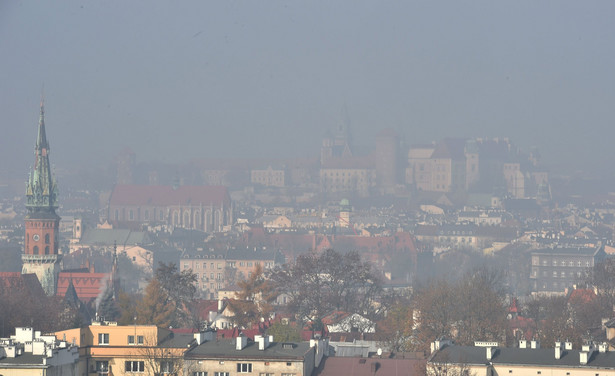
[(108, 349)]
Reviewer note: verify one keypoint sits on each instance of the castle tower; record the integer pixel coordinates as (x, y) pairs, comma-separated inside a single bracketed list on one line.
[(41, 254)]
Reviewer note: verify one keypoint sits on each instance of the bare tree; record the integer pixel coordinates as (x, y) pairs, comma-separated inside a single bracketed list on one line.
[(162, 360), (320, 283)]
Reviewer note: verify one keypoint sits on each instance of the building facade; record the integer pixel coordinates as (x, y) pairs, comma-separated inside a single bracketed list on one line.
[(203, 208), (556, 269)]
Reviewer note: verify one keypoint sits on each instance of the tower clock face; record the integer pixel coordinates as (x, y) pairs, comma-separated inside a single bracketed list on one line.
[(36, 237)]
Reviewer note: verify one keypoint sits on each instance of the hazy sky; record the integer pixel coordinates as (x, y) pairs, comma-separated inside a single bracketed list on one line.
[(176, 80)]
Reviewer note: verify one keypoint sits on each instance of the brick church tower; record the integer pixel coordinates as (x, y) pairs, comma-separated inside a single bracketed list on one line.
[(41, 255)]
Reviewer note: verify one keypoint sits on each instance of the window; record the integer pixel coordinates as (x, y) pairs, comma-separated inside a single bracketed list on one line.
[(131, 215), (146, 215), (244, 367), (265, 374), (102, 367), (131, 340), (139, 340), (289, 374), (167, 366), (221, 374), (134, 366), (199, 373), (46, 238), (103, 338)]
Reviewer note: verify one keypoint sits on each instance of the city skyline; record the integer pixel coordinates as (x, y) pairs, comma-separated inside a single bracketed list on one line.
[(206, 80)]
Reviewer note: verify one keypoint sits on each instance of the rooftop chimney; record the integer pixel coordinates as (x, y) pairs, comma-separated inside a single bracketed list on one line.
[(241, 342), (558, 350), (263, 341), (535, 344), (523, 344), (491, 352), (586, 353), (568, 345)]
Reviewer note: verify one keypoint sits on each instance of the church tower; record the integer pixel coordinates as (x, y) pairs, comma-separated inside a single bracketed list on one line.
[(41, 254)]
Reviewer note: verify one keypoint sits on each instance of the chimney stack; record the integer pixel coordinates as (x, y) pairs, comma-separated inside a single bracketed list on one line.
[(558, 350), (491, 352), (535, 344), (241, 342), (568, 345)]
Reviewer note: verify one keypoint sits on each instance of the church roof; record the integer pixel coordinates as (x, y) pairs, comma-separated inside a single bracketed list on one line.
[(29, 282), (109, 237), (161, 195), (87, 285)]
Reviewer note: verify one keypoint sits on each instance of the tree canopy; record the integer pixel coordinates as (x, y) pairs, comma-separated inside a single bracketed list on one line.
[(319, 283)]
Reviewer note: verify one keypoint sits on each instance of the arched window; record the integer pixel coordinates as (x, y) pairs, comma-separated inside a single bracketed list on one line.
[(186, 219), (197, 219), (146, 214), (46, 238), (47, 250), (117, 214), (35, 250), (131, 215), (176, 218)]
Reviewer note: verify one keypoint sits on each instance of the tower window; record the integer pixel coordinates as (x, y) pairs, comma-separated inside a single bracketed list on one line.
[(46, 238), (47, 250), (35, 250)]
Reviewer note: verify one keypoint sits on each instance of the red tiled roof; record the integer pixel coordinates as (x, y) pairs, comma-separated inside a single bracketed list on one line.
[(581, 296), (334, 317), (16, 280), (87, 285), (160, 195)]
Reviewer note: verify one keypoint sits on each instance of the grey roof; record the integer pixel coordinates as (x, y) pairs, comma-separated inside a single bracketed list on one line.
[(516, 356), (580, 251), (113, 236), (177, 340), (25, 359), (225, 348)]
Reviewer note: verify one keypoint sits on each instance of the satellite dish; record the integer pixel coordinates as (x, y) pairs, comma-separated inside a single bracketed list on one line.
[(379, 352)]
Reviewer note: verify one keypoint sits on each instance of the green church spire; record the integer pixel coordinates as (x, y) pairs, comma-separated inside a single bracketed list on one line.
[(41, 189)]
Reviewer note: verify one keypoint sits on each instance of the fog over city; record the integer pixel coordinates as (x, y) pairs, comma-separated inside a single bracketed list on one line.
[(202, 79)]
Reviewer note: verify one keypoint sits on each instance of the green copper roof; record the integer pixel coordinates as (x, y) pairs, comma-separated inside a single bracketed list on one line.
[(41, 189)]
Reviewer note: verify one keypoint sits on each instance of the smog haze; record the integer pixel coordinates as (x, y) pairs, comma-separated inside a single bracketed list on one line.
[(267, 79)]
